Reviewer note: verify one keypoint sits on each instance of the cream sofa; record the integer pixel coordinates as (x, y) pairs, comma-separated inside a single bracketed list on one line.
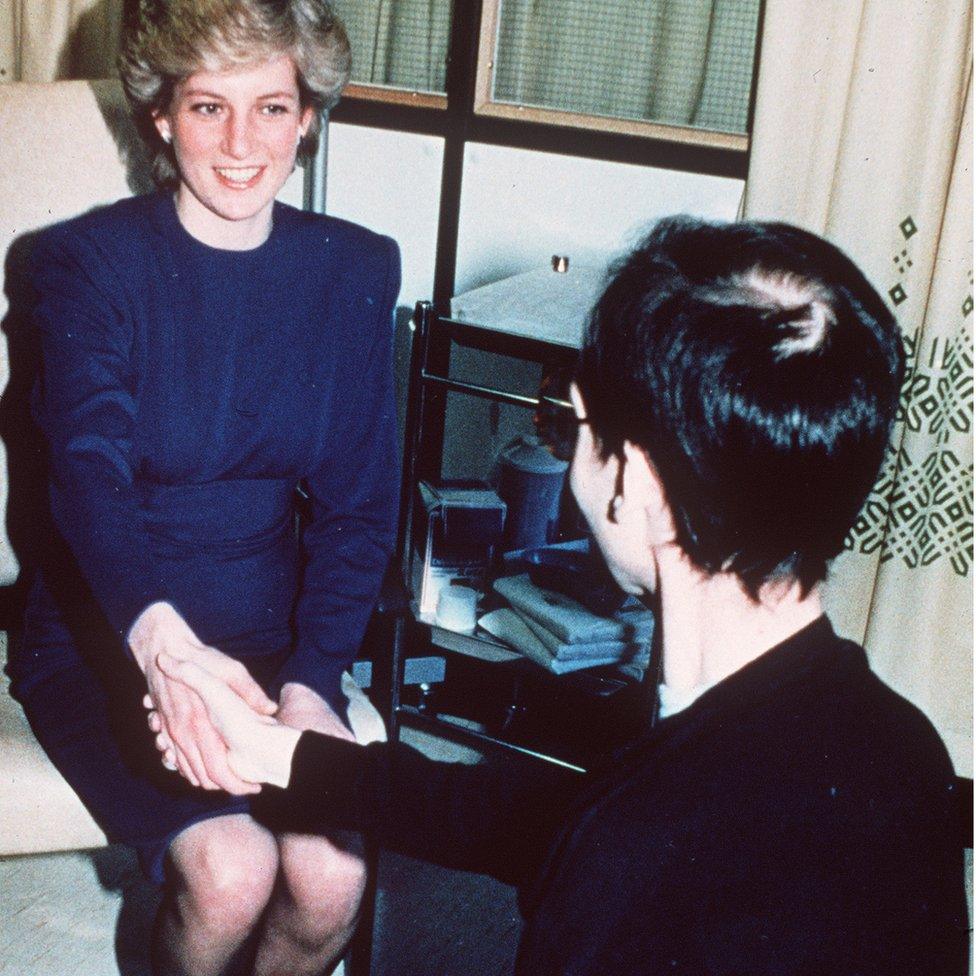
[(38, 810), (58, 158), (66, 147)]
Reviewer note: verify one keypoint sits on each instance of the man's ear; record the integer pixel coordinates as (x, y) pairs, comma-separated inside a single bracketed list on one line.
[(576, 398), (642, 488)]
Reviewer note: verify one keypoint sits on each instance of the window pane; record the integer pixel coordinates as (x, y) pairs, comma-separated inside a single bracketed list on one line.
[(676, 62), (402, 43)]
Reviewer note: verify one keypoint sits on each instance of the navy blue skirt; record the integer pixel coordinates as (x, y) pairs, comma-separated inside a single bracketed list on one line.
[(81, 691), (100, 742), (229, 556)]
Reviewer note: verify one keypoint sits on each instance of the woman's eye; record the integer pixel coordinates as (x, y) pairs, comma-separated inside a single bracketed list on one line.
[(206, 108), (275, 109)]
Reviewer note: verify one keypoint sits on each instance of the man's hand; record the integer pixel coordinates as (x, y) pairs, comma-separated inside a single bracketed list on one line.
[(304, 709), (259, 747), (182, 725)]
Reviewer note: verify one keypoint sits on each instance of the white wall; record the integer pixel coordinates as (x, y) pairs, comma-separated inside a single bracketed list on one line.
[(518, 208), (391, 183)]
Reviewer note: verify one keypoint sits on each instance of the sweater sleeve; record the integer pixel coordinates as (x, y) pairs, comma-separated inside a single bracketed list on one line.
[(498, 817), (353, 493), (85, 404)]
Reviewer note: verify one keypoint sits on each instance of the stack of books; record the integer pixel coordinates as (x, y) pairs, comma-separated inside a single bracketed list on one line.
[(561, 634)]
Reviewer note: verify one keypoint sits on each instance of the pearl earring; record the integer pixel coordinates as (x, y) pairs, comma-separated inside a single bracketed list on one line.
[(167, 136)]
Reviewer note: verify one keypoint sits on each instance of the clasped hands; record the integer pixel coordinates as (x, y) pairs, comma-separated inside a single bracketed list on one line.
[(213, 722)]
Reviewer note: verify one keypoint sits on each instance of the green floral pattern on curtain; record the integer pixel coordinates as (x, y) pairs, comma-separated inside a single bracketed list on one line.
[(921, 509)]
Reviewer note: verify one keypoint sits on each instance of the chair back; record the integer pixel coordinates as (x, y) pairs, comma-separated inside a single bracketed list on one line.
[(65, 148)]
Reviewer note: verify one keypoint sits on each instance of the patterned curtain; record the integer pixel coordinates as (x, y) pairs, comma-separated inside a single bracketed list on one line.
[(863, 133), (48, 40)]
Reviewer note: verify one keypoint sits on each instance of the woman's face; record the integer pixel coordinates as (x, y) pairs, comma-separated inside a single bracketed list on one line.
[(235, 134)]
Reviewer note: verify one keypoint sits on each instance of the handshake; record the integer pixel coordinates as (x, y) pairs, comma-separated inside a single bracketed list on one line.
[(213, 722)]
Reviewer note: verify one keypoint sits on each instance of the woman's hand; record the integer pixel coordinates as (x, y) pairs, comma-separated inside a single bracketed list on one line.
[(259, 747), (304, 709), (182, 724)]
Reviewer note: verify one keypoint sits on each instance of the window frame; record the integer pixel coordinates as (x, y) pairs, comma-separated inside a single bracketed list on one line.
[(392, 95), (486, 104), (453, 118)]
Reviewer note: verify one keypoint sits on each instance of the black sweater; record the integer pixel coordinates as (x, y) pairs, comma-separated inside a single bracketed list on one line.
[(796, 819)]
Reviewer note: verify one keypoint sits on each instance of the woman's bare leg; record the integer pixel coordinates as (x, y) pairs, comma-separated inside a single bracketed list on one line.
[(315, 907), (221, 876)]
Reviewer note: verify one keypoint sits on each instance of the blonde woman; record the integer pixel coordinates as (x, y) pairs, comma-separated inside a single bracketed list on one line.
[(206, 350)]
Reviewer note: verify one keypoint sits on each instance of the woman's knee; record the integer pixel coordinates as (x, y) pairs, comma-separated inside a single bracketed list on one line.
[(223, 872), (324, 879)]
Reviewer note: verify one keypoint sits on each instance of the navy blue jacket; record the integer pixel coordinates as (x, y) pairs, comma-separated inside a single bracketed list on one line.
[(185, 393)]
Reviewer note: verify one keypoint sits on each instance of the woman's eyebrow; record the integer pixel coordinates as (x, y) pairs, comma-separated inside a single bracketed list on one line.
[(203, 93)]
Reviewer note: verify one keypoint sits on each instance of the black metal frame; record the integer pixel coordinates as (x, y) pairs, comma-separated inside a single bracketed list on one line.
[(429, 382), (458, 125)]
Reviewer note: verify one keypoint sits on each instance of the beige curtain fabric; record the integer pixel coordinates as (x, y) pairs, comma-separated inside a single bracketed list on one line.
[(659, 77), (617, 58), (50, 40), (398, 42), (863, 133)]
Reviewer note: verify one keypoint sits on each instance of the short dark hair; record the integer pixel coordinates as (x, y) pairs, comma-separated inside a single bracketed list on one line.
[(759, 371)]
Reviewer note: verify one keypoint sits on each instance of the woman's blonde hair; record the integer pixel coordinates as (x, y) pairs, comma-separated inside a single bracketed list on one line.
[(166, 41)]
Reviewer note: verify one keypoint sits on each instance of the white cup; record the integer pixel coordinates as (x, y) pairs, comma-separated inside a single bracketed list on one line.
[(456, 608)]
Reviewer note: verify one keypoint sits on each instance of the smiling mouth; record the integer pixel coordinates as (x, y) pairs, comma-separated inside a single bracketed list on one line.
[(239, 177)]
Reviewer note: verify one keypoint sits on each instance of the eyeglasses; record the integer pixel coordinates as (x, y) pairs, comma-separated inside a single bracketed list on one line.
[(556, 424), (560, 432)]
